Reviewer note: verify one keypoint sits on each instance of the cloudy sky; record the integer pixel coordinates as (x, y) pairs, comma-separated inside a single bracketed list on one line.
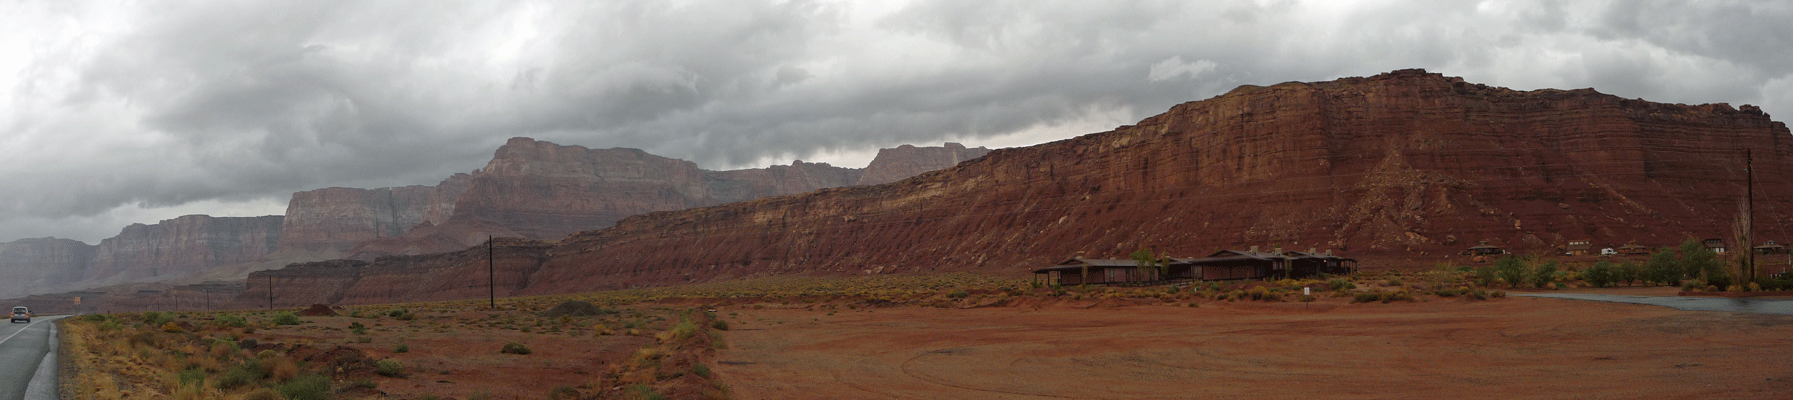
[(118, 112)]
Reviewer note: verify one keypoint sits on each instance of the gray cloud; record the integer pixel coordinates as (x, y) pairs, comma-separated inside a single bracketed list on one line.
[(134, 113)]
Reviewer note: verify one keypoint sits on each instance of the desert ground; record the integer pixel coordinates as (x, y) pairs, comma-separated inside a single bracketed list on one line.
[(1505, 348), (937, 337)]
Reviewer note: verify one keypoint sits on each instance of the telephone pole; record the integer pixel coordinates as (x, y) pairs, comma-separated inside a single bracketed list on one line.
[(491, 274), (1749, 216)]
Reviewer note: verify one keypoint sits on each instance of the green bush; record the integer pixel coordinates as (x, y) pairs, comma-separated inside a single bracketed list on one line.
[(1367, 297), (719, 324), (401, 348), (1545, 273), (286, 318), (702, 370), (191, 377), (241, 375), (231, 320), (95, 318), (1512, 270), (514, 348), (390, 368), (307, 387), (1601, 274), (1337, 284)]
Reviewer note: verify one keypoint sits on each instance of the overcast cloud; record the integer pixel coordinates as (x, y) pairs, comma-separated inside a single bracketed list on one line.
[(122, 112)]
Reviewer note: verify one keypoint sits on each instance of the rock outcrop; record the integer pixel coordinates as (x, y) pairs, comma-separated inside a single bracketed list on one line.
[(332, 221), (544, 191), (1407, 165), (906, 161), (180, 247), (33, 266)]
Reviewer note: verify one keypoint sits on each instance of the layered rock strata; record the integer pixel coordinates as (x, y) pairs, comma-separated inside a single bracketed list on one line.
[(1408, 165), (180, 247)]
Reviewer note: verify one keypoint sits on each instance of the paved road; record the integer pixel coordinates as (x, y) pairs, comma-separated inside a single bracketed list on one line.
[(28, 359), (1748, 305)]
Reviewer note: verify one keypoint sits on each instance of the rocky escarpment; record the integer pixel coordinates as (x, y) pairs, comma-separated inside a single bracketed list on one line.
[(541, 190), (331, 221), (1406, 165), (39, 265), (180, 247), (905, 161)]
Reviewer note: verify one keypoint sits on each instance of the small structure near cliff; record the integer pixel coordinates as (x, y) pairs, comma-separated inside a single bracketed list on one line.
[(1222, 265)]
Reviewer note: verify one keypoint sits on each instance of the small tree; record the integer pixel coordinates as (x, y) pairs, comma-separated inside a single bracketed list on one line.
[(1601, 274), (1512, 270), (1545, 273), (1664, 268), (1627, 271), (1153, 268)]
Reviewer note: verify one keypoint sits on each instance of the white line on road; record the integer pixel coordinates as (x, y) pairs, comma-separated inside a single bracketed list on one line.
[(34, 321)]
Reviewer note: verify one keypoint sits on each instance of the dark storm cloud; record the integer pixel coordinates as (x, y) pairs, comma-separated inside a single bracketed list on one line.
[(170, 106)]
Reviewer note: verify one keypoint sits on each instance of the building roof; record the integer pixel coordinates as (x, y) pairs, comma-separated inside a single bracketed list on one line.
[(1580, 245), (1770, 245), (1077, 264)]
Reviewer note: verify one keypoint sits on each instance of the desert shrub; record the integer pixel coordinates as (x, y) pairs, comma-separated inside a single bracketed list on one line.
[(191, 377), (575, 308), (1398, 295), (172, 328), (1392, 280), (1337, 284), (719, 324), (230, 320), (1692, 285), (401, 348), (306, 387), (514, 348), (1366, 297), (153, 318), (958, 294), (285, 318), (563, 392), (390, 368), (358, 328), (1258, 293), (248, 372), (1545, 273), (1447, 292), (702, 370), (1754, 287), (95, 318), (1512, 270)]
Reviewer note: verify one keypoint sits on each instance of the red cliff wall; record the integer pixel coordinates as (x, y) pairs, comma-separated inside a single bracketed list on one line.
[(333, 220), (1405, 165), (905, 161), (181, 246)]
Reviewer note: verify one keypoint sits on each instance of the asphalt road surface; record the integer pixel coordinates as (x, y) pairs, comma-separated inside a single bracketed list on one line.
[(28, 359), (1759, 306)]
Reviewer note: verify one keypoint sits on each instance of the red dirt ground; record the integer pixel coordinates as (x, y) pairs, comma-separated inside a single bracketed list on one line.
[(1456, 348)]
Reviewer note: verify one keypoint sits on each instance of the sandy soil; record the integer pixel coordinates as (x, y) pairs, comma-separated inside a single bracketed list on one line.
[(1444, 348)]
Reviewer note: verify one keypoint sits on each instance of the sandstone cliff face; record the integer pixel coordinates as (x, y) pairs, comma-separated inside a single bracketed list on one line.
[(1405, 165), (33, 266), (541, 190), (181, 246), (906, 161), (332, 221)]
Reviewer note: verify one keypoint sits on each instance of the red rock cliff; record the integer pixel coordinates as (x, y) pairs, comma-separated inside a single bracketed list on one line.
[(1401, 165), (181, 246), (905, 161), (332, 221)]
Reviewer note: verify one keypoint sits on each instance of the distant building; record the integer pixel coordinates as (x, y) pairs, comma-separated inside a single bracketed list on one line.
[(1634, 249), (1484, 249), (1771, 248), (1716, 245), (1222, 265), (1580, 247)]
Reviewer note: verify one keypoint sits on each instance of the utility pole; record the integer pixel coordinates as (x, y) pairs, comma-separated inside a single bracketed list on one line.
[(270, 292), (491, 274), (1749, 215)]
